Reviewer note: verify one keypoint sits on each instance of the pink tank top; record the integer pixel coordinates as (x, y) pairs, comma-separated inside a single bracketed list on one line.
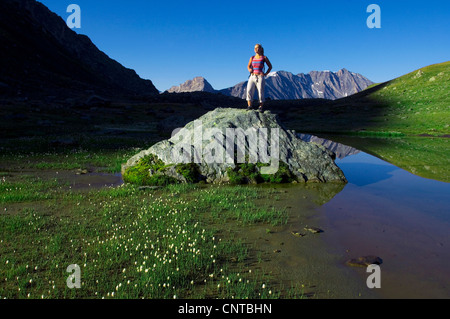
[(258, 65)]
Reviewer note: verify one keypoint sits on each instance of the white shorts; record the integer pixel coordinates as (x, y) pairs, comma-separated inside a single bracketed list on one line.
[(256, 82)]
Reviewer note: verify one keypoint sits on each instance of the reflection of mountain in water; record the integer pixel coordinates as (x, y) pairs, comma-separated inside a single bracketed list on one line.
[(340, 150), (362, 174)]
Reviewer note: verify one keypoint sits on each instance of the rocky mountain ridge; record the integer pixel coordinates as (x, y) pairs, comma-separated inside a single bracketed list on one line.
[(195, 85), (283, 85)]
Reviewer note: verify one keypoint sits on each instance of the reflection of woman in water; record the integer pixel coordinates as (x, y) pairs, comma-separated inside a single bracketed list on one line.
[(257, 80)]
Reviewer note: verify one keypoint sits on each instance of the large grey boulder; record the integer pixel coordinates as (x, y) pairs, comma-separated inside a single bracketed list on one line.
[(221, 140)]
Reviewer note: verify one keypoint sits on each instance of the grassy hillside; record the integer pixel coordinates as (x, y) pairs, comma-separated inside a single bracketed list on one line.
[(415, 104)]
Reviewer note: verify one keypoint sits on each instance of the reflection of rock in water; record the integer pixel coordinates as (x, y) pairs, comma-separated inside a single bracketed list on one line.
[(340, 150), (324, 192), (318, 193)]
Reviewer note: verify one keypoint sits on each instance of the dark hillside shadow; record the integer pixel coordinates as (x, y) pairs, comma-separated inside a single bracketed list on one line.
[(358, 112)]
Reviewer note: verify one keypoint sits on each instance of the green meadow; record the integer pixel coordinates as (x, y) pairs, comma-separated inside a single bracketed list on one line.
[(417, 103), (130, 242)]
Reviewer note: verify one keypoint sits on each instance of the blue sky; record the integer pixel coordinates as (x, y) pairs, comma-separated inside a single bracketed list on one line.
[(170, 42)]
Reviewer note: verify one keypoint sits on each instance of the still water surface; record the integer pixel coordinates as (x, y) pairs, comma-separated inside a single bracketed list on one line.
[(402, 218)]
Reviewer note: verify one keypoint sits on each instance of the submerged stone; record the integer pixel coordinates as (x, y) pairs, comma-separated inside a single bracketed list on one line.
[(364, 261), (314, 230)]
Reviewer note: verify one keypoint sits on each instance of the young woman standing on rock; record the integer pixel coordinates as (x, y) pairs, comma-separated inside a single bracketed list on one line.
[(257, 80)]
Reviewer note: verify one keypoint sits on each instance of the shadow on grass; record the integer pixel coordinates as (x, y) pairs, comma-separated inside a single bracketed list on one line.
[(356, 113)]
